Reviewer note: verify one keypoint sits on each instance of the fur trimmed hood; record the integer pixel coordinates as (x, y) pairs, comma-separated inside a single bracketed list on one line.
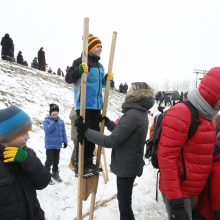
[(142, 99), (138, 95)]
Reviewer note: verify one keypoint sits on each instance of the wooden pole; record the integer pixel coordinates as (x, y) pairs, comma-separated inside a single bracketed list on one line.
[(101, 203), (110, 65), (82, 113)]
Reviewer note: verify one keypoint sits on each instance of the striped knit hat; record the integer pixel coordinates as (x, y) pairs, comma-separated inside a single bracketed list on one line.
[(93, 42), (13, 123)]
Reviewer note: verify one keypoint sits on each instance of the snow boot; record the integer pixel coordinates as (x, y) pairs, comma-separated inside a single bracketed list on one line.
[(56, 176)]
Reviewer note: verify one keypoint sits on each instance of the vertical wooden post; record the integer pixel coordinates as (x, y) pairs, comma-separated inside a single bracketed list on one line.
[(110, 65), (82, 113)]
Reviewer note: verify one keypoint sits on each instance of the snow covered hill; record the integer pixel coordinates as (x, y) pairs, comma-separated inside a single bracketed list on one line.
[(33, 91)]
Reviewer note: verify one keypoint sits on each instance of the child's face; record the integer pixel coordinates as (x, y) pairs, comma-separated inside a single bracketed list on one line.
[(97, 51), (18, 142), (54, 114)]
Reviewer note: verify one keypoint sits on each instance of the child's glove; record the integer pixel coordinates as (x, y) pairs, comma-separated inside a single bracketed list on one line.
[(110, 76), (83, 68), (178, 211), (15, 154)]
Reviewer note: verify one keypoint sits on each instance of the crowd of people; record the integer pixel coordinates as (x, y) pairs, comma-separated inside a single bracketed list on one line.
[(189, 168), (38, 62)]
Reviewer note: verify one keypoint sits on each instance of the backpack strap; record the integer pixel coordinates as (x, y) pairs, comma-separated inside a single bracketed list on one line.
[(195, 119)]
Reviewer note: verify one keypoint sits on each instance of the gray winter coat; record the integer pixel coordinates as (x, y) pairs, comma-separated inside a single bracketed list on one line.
[(128, 137)]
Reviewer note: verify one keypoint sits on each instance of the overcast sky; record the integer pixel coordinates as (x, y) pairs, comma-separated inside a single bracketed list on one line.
[(157, 39)]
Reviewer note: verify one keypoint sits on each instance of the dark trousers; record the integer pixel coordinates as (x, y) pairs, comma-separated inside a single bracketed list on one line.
[(53, 158), (125, 187), (92, 121)]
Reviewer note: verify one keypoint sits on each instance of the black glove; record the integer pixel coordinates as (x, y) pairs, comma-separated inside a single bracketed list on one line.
[(81, 128), (105, 118), (178, 211), (64, 145)]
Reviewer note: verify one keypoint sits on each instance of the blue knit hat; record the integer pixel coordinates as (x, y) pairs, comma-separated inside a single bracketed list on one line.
[(13, 123)]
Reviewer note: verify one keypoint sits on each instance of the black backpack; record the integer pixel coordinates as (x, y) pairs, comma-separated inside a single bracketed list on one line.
[(152, 145)]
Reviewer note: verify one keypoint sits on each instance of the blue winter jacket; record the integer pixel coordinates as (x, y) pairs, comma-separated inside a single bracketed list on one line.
[(55, 133), (95, 82)]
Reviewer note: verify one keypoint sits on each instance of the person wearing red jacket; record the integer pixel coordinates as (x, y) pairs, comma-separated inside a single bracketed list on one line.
[(185, 164), (208, 203)]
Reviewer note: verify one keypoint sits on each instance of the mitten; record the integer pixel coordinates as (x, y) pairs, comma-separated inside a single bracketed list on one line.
[(81, 128), (110, 76), (178, 211), (64, 145), (83, 68), (15, 154)]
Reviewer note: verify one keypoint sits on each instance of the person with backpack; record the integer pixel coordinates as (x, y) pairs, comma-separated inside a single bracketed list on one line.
[(127, 141), (185, 163)]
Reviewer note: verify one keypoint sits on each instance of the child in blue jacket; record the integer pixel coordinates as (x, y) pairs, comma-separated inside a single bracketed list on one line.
[(55, 137)]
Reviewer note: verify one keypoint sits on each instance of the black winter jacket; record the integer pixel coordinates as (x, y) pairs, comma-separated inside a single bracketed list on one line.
[(18, 185)]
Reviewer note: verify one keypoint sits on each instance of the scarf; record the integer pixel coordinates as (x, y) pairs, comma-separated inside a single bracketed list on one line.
[(203, 107)]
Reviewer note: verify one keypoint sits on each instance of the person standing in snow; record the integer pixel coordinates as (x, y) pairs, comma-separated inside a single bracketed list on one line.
[(127, 141), (185, 164), (55, 137), (94, 99), (7, 48), (41, 59), (21, 171), (20, 58), (73, 135)]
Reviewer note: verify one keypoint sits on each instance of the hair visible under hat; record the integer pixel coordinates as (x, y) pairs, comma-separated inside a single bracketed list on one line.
[(13, 123)]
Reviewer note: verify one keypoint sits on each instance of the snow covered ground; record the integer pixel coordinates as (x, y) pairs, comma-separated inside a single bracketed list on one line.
[(33, 91)]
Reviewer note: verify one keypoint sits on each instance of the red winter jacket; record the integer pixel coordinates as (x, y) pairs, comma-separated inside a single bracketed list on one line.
[(175, 151), (209, 199)]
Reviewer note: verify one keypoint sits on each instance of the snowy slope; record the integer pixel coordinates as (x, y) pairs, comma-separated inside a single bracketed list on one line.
[(33, 90)]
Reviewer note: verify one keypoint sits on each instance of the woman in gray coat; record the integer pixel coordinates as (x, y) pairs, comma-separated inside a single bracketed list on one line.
[(127, 142)]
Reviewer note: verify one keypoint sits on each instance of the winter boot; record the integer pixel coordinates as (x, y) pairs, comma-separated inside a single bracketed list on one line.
[(89, 167), (56, 176)]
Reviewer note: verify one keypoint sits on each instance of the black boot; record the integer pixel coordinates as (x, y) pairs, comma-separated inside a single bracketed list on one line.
[(89, 167), (56, 176)]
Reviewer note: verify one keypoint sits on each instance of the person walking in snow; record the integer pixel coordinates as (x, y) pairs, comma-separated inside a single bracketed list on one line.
[(185, 164), (55, 137), (127, 140), (7, 48), (94, 99), (41, 59), (21, 171)]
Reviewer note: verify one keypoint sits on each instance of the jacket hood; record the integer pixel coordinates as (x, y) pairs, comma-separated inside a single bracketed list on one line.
[(209, 87), (142, 99)]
